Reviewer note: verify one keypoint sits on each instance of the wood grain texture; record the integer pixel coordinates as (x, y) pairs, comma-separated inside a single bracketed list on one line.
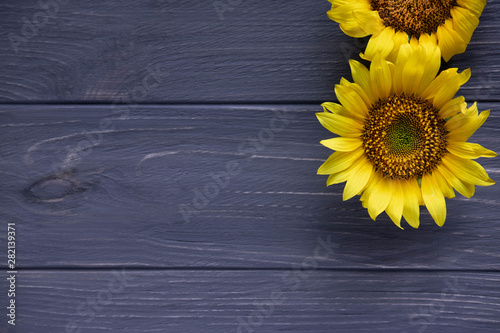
[(118, 203), (262, 51), (266, 301), (159, 159)]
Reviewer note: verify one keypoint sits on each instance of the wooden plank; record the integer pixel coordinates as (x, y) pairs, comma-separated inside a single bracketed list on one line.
[(261, 52), (250, 301), (120, 202)]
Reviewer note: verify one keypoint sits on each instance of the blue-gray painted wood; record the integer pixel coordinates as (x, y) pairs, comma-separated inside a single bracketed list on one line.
[(263, 51), (85, 211), (120, 202), (251, 301)]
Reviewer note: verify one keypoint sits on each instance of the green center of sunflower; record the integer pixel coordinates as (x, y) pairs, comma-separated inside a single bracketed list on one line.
[(415, 17), (404, 137)]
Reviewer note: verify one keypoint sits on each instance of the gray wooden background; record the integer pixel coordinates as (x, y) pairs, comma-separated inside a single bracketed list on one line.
[(159, 160)]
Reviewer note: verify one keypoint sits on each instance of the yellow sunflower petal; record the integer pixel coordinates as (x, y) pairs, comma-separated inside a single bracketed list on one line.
[(337, 178), (351, 100), (413, 71), (464, 22), (404, 54), (358, 178), (365, 196), (442, 79), (411, 209), (467, 128), (432, 61), (395, 207), (342, 12), (400, 38), (445, 91), (380, 197), (466, 117), (452, 107), (469, 150), (339, 161), (380, 77), (449, 41), (444, 186), (369, 21), (429, 42), (361, 76), (414, 43), (464, 188), (340, 125), (467, 170), (344, 82), (342, 143), (333, 108), (381, 44), (360, 91), (434, 199), (474, 6), (457, 121), (472, 111)]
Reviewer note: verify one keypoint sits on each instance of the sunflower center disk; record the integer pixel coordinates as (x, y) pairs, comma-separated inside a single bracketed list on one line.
[(404, 137), (415, 17)]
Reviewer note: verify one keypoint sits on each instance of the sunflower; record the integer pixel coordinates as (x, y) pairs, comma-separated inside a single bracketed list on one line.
[(392, 23), (403, 136)]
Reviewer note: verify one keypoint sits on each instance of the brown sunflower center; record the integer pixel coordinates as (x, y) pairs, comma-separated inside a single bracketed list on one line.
[(415, 17), (404, 137)]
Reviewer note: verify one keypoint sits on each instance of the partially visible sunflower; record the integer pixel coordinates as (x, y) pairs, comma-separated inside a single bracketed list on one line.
[(392, 23), (403, 136)]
